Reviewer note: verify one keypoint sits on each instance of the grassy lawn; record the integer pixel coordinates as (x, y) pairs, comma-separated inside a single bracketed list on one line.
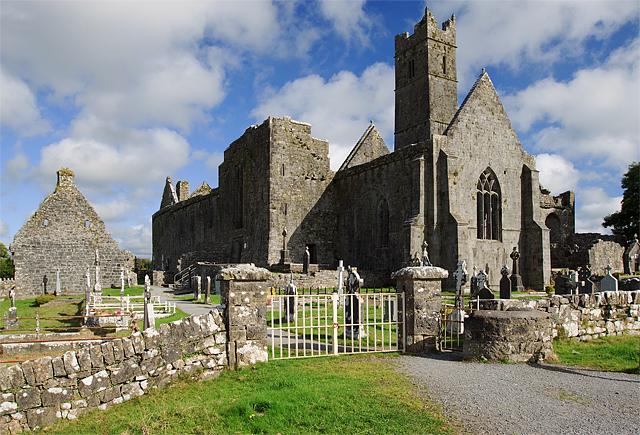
[(350, 394), (314, 322), (618, 353)]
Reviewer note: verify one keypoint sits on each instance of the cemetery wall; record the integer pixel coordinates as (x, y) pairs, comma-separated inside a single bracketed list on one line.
[(65, 232), (36, 393), (583, 316)]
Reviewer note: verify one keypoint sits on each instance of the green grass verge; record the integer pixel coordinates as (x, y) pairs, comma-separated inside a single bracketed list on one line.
[(128, 291), (179, 314), (350, 394), (617, 353)]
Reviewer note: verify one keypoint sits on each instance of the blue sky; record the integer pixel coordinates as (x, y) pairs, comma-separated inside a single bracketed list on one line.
[(128, 93)]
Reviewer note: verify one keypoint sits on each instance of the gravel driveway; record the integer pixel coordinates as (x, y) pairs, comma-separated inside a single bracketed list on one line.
[(527, 399)]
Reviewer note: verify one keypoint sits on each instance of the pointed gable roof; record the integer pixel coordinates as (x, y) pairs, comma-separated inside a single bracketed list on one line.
[(368, 148), (203, 189), (481, 103), (169, 196)]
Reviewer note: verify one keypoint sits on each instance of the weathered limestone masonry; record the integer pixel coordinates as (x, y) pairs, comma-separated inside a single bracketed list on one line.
[(65, 232), (512, 336), (244, 293), (6, 284), (585, 316), (422, 287), (36, 393)]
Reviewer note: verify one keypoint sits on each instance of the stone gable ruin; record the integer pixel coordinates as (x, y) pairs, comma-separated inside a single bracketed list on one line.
[(458, 178), (65, 232)]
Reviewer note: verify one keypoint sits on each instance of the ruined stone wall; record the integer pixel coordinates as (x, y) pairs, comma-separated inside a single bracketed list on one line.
[(585, 316), (298, 198), (595, 250), (65, 232), (481, 138), (36, 393)]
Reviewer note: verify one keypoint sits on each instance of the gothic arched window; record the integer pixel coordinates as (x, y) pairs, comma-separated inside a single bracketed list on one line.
[(489, 210)]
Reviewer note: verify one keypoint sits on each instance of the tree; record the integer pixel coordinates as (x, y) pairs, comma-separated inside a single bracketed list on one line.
[(6, 264), (626, 222)]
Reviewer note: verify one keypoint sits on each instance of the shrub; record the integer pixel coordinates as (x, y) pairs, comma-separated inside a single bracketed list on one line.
[(550, 290), (43, 299)]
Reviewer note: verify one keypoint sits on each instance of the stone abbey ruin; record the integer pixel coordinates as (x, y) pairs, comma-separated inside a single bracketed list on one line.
[(63, 238), (458, 178)]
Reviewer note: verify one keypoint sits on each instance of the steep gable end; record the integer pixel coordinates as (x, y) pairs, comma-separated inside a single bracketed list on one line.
[(203, 189), (369, 147), (481, 108), (169, 196)]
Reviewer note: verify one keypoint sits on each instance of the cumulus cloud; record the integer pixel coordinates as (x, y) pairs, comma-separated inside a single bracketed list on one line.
[(339, 109), (134, 238), (557, 174), (18, 107), (349, 19), (595, 205), (516, 33)]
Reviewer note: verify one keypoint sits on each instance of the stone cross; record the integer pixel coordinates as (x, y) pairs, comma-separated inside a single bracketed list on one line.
[(340, 270), (58, 291), (284, 253), (425, 254), (44, 284), (121, 290), (460, 276), (97, 288), (484, 292), (87, 292), (352, 307), (584, 278), (474, 283), (516, 279), (12, 296), (148, 308), (290, 302)]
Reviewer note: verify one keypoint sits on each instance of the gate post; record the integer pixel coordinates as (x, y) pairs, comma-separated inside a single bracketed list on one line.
[(422, 287), (243, 292)]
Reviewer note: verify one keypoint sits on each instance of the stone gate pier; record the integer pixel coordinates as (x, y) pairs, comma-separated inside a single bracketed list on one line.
[(422, 287)]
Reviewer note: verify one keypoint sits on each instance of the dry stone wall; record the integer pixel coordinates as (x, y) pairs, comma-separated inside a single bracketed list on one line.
[(584, 316), (36, 393)]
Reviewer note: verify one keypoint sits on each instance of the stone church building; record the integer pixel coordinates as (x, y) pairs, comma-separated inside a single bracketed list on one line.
[(458, 178), (65, 233)]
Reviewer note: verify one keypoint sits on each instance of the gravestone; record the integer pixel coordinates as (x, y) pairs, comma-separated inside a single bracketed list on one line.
[(97, 288), (483, 286), (460, 275), (58, 290), (473, 291), (207, 293), (45, 280), (516, 279), (505, 283), (197, 292), (121, 290), (609, 283), (305, 260), (149, 321), (352, 306), (289, 303), (340, 290), (585, 285), (87, 292)]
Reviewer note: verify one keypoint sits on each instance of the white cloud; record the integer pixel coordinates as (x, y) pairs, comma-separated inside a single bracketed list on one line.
[(4, 229), (349, 19), (14, 169), (556, 174), (514, 33), (134, 238), (338, 109), (595, 205), (103, 158), (18, 107)]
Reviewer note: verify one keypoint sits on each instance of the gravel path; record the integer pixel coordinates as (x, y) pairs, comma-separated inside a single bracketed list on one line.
[(528, 399)]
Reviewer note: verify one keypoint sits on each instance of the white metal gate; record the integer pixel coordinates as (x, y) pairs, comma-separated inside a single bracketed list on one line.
[(302, 326)]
